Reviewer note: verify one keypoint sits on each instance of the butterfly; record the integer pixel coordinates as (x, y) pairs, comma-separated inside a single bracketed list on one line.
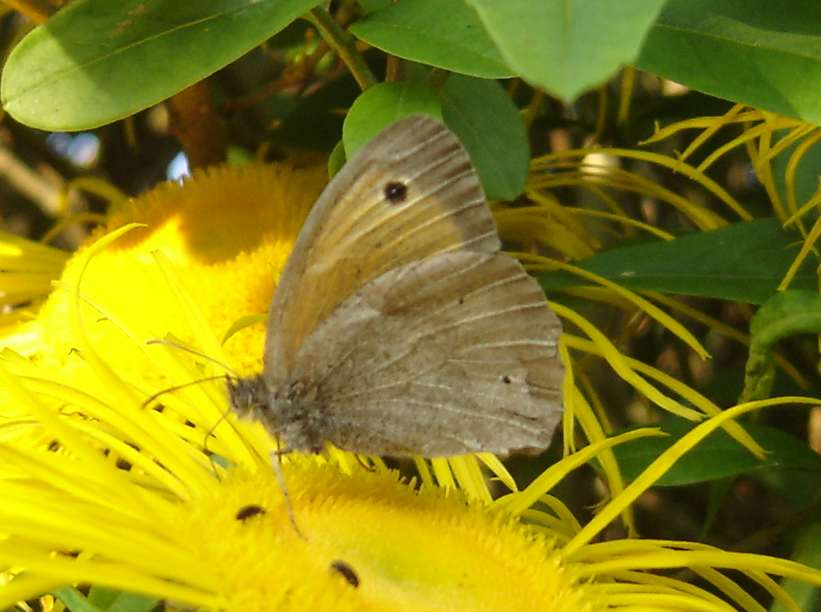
[(398, 327)]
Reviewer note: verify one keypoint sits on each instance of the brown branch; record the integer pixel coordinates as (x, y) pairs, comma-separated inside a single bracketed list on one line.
[(197, 126)]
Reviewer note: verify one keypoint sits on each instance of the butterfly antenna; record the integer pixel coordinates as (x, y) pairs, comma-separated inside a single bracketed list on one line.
[(190, 383), (276, 464), (178, 345), (230, 373)]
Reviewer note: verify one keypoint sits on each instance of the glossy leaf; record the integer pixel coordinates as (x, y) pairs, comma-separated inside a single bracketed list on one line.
[(717, 456), (383, 104), (97, 61), (483, 116), (442, 33), (567, 46), (742, 261), (766, 54)]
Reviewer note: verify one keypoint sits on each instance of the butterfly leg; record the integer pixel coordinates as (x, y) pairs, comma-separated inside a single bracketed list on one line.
[(276, 464)]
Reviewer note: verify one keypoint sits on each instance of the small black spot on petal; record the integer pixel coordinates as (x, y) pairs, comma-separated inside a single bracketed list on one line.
[(396, 192), (346, 571), (248, 511), (506, 379)]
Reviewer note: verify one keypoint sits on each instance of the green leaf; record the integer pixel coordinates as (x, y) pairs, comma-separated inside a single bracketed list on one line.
[(807, 552), (785, 314), (483, 116), (766, 54), (567, 46), (336, 159), (383, 104), (97, 61), (806, 174), (743, 261), (373, 5), (75, 601), (111, 600), (442, 33), (244, 322), (717, 456)]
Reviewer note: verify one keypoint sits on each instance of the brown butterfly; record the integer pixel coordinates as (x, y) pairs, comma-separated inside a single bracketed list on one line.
[(398, 327)]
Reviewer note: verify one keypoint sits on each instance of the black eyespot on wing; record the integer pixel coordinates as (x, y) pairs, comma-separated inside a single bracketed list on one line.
[(396, 192), (346, 571), (248, 511), (506, 379)]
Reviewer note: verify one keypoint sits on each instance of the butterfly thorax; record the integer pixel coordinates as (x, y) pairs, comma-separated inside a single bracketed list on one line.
[(290, 413)]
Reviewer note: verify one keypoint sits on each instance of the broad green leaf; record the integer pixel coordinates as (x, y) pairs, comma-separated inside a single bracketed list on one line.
[(743, 261), (97, 61), (785, 314), (766, 54), (383, 104), (567, 46), (442, 33), (491, 128), (717, 456)]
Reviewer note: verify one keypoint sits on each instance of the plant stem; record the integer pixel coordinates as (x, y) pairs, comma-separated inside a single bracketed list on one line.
[(197, 126), (344, 45), (437, 79)]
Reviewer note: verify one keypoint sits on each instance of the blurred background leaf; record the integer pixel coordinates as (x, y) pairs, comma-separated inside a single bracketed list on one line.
[(761, 53)]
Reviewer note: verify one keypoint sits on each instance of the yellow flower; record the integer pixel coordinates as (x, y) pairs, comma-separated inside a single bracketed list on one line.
[(226, 234), (131, 503)]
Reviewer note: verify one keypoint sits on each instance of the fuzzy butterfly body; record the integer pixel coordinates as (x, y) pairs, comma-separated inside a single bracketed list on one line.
[(398, 327)]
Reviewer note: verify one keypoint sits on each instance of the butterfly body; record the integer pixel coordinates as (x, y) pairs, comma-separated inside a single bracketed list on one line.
[(398, 327)]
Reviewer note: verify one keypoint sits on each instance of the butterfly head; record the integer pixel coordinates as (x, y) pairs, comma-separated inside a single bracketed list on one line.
[(288, 414), (248, 396)]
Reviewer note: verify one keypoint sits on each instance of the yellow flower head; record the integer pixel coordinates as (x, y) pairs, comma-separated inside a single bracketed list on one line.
[(225, 234)]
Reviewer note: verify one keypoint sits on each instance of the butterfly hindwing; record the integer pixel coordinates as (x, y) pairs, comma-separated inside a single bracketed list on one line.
[(451, 354)]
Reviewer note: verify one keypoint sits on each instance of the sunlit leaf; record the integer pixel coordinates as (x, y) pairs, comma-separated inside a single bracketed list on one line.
[(97, 61), (383, 104), (442, 33), (567, 46)]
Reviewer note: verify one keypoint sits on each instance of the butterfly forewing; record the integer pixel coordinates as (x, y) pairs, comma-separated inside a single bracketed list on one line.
[(409, 194)]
